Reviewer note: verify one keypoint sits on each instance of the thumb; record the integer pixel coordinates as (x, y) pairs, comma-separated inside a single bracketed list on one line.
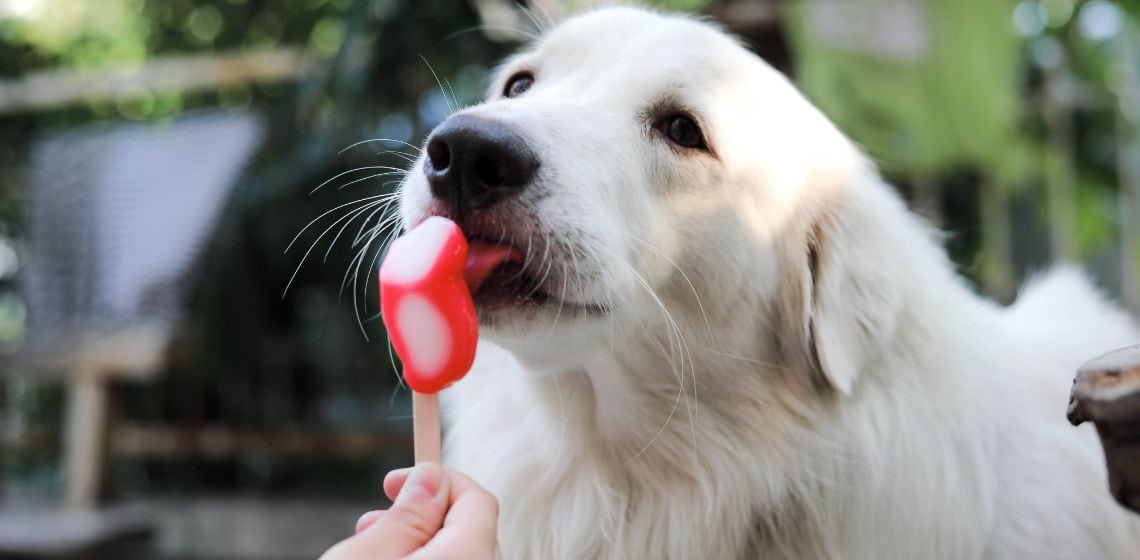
[(414, 518)]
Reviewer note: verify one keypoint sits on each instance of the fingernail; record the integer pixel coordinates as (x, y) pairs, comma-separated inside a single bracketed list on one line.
[(425, 483)]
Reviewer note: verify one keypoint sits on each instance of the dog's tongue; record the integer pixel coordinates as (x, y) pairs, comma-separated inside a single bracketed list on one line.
[(484, 257)]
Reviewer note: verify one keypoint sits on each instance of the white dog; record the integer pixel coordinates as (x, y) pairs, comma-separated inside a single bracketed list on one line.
[(712, 331)]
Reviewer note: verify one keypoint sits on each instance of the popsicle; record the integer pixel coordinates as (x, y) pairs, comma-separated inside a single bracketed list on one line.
[(426, 281)]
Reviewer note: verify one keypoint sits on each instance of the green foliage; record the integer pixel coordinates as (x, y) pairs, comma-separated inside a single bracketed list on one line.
[(88, 36), (252, 356), (943, 95), (1097, 206), (681, 5)]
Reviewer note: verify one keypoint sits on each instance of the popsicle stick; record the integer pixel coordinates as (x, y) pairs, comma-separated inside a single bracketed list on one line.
[(425, 427)]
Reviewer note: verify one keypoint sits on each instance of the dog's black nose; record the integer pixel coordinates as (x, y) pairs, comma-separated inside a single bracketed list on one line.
[(475, 162)]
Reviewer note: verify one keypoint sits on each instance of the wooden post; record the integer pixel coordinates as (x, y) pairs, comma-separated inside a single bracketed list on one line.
[(131, 353), (86, 437)]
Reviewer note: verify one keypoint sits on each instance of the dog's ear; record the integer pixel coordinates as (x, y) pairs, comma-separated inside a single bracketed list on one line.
[(846, 297)]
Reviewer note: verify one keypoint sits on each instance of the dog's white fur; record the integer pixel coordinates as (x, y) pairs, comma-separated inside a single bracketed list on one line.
[(789, 367)]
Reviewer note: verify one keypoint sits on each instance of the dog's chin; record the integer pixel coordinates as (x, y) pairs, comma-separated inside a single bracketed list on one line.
[(510, 297), (515, 305)]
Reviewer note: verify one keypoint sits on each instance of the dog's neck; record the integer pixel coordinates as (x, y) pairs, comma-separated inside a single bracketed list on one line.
[(648, 392), (632, 426)]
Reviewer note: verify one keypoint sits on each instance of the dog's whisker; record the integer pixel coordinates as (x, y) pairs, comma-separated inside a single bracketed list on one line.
[(527, 256), (372, 233), (326, 213), (364, 168), (357, 295), (549, 263), (550, 22), (406, 157), (380, 226), (523, 32), (378, 257), (359, 255), (454, 98), (386, 207), (355, 144), (373, 176), (738, 357), (388, 225), (354, 215), (672, 323), (362, 293), (610, 296), (391, 349), (451, 108), (676, 339), (538, 28), (695, 406), (502, 234), (311, 247), (351, 278), (561, 302), (685, 276), (366, 242)]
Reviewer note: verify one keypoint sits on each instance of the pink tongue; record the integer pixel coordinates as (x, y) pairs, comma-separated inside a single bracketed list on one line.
[(483, 258)]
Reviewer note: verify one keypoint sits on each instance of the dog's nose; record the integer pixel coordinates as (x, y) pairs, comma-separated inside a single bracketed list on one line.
[(475, 162)]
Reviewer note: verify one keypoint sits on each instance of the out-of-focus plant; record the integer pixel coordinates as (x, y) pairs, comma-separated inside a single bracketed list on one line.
[(79, 35), (927, 87), (1086, 57), (1019, 93), (250, 356)]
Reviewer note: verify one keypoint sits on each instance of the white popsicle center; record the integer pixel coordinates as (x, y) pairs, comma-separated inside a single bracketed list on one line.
[(425, 332)]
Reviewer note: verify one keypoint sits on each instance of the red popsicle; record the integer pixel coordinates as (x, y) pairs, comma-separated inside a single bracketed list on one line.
[(426, 281)]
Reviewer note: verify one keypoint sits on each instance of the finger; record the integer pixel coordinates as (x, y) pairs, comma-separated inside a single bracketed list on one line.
[(470, 529), (414, 518), (368, 519), (394, 481)]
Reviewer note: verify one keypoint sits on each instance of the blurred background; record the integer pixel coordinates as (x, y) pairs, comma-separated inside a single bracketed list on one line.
[(191, 365)]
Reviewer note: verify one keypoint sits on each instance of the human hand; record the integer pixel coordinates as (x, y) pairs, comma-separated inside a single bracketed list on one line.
[(436, 515)]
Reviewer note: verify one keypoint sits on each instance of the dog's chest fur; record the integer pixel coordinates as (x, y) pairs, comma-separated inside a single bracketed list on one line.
[(568, 499), (736, 475), (917, 466)]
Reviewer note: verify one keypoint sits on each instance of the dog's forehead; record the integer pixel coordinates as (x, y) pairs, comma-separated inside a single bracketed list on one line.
[(637, 45)]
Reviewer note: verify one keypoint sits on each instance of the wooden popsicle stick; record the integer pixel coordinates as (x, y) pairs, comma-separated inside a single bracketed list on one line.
[(425, 427)]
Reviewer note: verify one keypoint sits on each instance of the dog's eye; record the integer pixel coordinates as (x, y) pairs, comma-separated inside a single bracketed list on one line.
[(681, 130), (518, 84)]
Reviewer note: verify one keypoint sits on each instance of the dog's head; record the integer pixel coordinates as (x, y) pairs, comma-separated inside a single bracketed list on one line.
[(639, 167)]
